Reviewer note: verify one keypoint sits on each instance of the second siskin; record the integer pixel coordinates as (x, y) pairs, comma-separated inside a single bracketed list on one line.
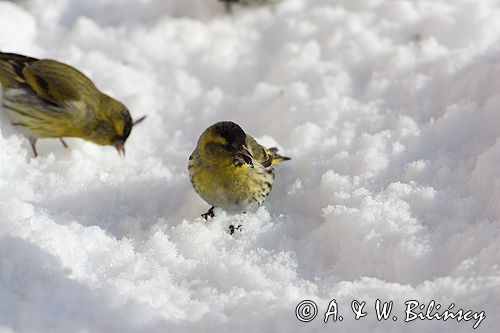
[(48, 99)]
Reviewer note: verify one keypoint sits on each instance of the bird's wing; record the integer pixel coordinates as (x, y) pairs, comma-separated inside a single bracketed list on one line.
[(265, 157), (11, 68), (53, 82), (58, 83)]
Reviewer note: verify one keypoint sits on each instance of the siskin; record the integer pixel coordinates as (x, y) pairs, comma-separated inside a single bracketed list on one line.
[(229, 169), (49, 99), (229, 3)]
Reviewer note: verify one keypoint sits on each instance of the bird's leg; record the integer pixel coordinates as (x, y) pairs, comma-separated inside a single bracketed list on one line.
[(63, 143), (33, 146), (208, 214)]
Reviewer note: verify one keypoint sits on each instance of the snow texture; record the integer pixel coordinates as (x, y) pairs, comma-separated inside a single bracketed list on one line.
[(389, 109)]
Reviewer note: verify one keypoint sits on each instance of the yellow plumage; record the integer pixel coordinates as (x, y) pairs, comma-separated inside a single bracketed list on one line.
[(49, 99), (229, 169)]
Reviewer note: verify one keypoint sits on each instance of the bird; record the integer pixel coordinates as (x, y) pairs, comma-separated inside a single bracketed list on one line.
[(230, 169), (46, 98), (228, 4)]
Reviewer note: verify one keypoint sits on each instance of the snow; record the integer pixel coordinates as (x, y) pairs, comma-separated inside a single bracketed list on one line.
[(389, 110)]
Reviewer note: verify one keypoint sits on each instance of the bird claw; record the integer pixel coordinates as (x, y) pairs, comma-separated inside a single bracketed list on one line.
[(232, 228), (208, 214)]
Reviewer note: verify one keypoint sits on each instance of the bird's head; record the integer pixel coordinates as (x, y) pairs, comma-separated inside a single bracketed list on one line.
[(113, 124), (225, 142)]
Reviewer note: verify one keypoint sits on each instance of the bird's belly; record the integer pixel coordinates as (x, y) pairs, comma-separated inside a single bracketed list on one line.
[(232, 189), (30, 116)]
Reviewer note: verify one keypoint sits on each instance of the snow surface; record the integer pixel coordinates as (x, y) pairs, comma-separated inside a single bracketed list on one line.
[(389, 109)]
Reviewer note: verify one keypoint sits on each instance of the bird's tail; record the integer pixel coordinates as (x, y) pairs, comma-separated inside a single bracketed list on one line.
[(277, 158)]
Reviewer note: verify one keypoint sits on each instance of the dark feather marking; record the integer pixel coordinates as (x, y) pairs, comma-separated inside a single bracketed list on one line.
[(267, 163), (128, 125), (20, 124), (18, 68), (14, 57), (43, 84), (49, 101), (29, 88)]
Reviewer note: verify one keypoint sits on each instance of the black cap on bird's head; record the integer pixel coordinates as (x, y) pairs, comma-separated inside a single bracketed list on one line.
[(121, 137), (231, 132), (234, 141), (128, 123)]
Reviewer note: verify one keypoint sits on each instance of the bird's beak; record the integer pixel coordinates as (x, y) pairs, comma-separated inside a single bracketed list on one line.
[(120, 147), (245, 155)]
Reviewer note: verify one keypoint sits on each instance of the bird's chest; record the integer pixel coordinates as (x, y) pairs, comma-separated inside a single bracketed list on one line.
[(232, 187)]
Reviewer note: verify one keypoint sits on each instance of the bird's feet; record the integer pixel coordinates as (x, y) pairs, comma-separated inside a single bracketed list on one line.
[(33, 146), (232, 228), (208, 214), (63, 143)]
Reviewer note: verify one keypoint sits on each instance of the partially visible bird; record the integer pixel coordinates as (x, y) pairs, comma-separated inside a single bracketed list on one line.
[(49, 99), (228, 4), (229, 169)]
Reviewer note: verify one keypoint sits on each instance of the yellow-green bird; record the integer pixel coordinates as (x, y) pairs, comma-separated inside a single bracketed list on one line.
[(48, 99), (229, 169)]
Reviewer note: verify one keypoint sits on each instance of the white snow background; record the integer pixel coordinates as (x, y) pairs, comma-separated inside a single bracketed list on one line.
[(390, 111)]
